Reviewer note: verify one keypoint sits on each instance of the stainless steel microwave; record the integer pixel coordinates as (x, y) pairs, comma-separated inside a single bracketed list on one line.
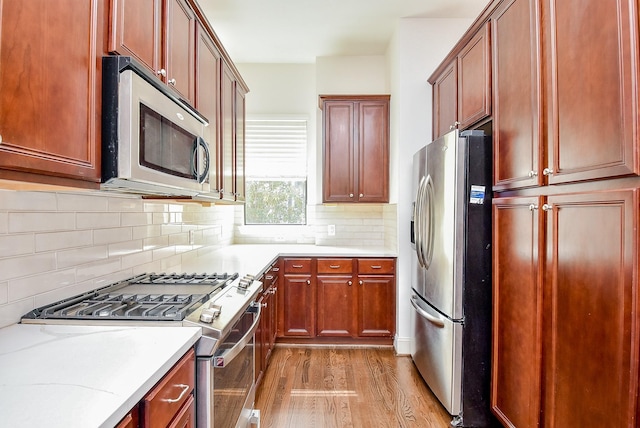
[(153, 143)]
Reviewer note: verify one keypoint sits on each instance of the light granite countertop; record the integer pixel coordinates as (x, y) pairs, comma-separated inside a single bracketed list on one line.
[(82, 376), (254, 259)]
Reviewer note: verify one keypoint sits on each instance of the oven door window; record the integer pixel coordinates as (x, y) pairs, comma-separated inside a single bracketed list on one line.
[(232, 383), (164, 146)]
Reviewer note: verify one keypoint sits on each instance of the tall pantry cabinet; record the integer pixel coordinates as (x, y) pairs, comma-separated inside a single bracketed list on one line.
[(566, 213)]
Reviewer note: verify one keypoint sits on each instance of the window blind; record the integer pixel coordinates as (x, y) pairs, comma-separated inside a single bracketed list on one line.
[(275, 148)]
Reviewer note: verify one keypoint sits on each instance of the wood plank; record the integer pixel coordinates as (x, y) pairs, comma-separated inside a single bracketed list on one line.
[(343, 386)]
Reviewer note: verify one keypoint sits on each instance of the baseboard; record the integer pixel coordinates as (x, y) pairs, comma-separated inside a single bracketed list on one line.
[(402, 345)]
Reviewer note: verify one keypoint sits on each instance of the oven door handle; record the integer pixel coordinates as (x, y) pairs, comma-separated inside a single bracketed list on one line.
[(228, 356)]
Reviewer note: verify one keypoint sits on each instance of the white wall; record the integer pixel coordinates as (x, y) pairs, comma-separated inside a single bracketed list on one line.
[(417, 48)]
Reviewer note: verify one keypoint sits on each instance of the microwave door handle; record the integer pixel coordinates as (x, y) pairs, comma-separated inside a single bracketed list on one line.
[(201, 177)]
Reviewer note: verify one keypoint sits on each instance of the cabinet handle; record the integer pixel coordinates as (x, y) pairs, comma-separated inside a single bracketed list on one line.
[(0, 139), (360, 282), (350, 283), (161, 72), (547, 171), (172, 82), (273, 290), (185, 389), (533, 173), (547, 207), (269, 277), (308, 282), (376, 267), (276, 269), (297, 266), (533, 207), (264, 305), (334, 266)]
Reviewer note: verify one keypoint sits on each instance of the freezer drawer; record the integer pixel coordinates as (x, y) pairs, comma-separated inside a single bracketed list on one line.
[(438, 354)]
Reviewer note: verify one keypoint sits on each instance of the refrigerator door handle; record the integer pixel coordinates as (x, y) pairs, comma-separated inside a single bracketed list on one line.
[(429, 219), (424, 314), (418, 221)]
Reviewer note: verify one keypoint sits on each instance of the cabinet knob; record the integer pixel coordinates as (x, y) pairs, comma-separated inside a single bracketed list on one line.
[(454, 126), (360, 282), (308, 282), (547, 207), (361, 195), (533, 173), (161, 72), (533, 207), (350, 283), (547, 171), (172, 82), (351, 195)]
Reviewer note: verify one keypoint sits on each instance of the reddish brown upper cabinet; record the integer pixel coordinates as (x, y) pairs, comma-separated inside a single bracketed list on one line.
[(160, 34), (50, 91), (462, 86), (355, 148), (517, 107), (591, 78)]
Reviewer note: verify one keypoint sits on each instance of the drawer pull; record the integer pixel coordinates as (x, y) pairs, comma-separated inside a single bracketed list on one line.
[(297, 266), (376, 267), (334, 266), (276, 269), (269, 277), (185, 389)]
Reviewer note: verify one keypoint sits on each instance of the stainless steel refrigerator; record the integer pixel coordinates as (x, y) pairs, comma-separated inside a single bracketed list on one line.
[(451, 283)]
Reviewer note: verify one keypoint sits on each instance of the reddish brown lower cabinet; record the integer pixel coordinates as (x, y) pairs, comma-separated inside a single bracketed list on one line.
[(297, 299), (336, 298), (566, 310), (131, 420), (517, 312), (265, 335), (376, 298)]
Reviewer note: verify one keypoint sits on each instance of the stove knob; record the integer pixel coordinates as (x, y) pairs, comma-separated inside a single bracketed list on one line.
[(206, 316)]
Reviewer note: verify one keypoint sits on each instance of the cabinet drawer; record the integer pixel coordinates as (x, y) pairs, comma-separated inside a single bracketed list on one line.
[(335, 265), (297, 265), (376, 266), (164, 401)]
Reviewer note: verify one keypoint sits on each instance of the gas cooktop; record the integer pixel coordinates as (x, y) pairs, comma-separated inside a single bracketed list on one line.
[(146, 297)]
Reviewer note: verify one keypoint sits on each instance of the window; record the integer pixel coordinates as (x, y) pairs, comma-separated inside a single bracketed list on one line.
[(275, 171)]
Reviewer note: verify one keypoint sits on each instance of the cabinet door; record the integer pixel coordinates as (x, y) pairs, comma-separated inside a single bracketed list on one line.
[(593, 88), (207, 95), (373, 151), (591, 310), (135, 30), (445, 101), (376, 305), (227, 116), (517, 312), (49, 90), (180, 48), (335, 305), (474, 79), (238, 158), (516, 100), (298, 306), (339, 162)]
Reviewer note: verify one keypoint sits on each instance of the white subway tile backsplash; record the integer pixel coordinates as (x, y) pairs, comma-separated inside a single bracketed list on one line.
[(16, 245), (125, 204), (20, 222), (12, 312), (97, 220), (109, 236), (124, 248), (155, 242), (97, 269), (81, 202), (136, 219), (80, 256), (141, 232), (25, 287), (4, 222), (4, 287), (16, 267), (62, 240), (11, 200), (136, 259)]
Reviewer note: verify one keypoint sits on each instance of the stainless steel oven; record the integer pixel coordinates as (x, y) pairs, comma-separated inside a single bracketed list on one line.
[(225, 377)]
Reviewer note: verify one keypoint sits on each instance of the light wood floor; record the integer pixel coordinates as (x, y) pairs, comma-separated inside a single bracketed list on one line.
[(324, 387)]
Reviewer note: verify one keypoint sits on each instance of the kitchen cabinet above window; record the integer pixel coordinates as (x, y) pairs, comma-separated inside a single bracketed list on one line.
[(355, 148)]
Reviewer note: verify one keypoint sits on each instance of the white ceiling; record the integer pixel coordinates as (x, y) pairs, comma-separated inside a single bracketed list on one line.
[(298, 31)]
